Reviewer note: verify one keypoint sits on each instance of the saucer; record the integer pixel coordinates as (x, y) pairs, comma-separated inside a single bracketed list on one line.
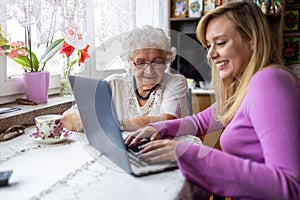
[(65, 135)]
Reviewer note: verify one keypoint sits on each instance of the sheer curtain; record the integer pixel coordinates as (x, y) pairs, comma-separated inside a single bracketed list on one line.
[(49, 16), (100, 23), (112, 18), (116, 16)]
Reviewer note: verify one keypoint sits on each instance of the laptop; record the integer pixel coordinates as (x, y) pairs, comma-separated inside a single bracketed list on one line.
[(95, 105)]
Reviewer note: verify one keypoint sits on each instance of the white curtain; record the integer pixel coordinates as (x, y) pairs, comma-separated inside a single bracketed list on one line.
[(99, 23), (69, 16), (49, 16), (73, 22), (152, 12), (113, 17)]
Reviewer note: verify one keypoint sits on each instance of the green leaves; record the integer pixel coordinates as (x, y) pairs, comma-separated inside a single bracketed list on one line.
[(25, 61), (30, 62), (51, 50)]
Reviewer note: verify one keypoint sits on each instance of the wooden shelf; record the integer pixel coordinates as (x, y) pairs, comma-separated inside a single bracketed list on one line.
[(273, 15), (291, 35), (185, 19)]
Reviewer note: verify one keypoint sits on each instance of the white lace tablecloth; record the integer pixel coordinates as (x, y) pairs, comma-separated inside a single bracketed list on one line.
[(73, 170)]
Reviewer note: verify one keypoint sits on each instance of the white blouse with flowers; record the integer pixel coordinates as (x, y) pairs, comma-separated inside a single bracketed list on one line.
[(168, 98)]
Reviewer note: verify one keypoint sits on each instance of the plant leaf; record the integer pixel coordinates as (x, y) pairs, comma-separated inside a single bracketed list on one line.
[(35, 61), (51, 50), (23, 61), (5, 48), (72, 63)]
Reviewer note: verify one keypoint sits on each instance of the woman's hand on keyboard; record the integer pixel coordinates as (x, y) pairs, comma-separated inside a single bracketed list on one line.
[(134, 138), (159, 151)]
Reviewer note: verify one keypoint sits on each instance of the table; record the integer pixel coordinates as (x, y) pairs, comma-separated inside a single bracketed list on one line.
[(74, 170)]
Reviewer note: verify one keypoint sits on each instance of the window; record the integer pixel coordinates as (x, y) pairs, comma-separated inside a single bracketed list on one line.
[(105, 19), (11, 84), (14, 33)]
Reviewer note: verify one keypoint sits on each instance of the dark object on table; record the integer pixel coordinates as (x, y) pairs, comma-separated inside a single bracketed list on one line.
[(12, 132), (4, 177), (24, 102), (7, 110)]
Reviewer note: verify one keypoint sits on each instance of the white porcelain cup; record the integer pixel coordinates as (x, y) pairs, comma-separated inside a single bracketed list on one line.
[(203, 85), (49, 126)]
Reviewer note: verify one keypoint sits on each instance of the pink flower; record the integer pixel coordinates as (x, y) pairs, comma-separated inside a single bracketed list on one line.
[(23, 52), (58, 121), (58, 130), (20, 43), (13, 54)]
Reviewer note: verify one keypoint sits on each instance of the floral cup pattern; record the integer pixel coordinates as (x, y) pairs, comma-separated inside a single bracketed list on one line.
[(49, 126)]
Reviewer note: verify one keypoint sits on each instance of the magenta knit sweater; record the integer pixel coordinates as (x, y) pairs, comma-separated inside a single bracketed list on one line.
[(260, 157)]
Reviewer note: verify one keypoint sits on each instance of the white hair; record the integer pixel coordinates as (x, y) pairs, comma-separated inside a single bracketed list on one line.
[(147, 37)]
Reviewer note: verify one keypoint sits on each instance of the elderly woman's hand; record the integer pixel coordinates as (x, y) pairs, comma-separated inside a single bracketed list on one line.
[(72, 120), (133, 139), (159, 151)]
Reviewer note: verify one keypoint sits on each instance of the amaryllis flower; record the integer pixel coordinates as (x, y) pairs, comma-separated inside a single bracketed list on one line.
[(81, 56), (84, 54), (67, 49)]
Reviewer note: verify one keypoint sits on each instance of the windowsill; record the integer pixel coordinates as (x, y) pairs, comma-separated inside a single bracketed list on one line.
[(25, 116)]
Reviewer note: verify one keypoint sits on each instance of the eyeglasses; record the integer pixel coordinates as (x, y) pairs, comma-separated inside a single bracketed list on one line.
[(144, 64)]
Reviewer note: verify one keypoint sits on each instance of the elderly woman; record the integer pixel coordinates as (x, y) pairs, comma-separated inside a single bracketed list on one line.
[(147, 92)]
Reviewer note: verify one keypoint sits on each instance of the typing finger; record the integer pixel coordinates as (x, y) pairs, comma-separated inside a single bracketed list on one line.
[(155, 136), (159, 152), (128, 139), (153, 145)]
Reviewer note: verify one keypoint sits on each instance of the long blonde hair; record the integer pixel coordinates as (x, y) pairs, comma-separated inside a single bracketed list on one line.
[(253, 26)]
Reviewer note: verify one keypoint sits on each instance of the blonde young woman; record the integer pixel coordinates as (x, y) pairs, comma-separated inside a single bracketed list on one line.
[(257, 107), (147, 92)]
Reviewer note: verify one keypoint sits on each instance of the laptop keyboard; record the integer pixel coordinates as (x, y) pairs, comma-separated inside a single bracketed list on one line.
[(134, 152), (135, 160)]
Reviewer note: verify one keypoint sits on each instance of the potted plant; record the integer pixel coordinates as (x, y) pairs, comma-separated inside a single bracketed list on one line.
[(35, 78)]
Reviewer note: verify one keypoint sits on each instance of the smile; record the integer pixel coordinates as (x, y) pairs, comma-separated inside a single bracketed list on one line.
[(221, 65), (149, 77)]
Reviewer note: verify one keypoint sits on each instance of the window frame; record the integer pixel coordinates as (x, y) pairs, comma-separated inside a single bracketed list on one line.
[(12, 88)]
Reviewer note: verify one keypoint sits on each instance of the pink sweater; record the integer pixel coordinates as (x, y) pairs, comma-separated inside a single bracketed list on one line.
[(261, 145)]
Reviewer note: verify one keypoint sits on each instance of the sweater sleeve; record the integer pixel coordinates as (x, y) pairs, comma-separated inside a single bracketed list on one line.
[(273, 100), (196, 125)]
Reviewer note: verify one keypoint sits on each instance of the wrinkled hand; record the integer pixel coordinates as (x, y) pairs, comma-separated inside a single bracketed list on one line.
[(72, 120), (135, 137), (159, 151)]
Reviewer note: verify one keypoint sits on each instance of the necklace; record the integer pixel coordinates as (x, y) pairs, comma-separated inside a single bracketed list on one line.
[(138, 94)]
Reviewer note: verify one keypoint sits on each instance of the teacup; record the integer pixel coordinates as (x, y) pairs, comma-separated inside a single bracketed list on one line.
[(49, 126), (203, 85)]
